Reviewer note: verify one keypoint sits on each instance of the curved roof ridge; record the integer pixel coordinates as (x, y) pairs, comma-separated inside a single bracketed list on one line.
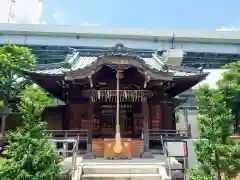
[(158, 59), (71, 61)]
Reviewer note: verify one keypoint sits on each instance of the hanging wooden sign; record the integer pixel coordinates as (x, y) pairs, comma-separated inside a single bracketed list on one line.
[(120, 62)]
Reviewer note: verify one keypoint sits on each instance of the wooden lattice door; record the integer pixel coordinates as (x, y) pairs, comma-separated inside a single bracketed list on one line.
[(108, 121), (126, 120)]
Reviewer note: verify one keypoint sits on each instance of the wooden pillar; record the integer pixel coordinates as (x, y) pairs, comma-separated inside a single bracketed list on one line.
[(67, 112), (145, 111), (67, 117), (163, 116), (89, 154), (90, 124)]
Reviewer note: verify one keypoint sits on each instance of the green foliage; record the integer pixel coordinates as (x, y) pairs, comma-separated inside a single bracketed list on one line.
[(230, 88), (213, 114), (30, 155), (198, 173), (177, 114), (13, 59), (36, 98), (218, 155), (2, 161)]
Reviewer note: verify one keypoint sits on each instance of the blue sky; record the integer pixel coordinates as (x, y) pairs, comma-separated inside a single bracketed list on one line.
[(167, 14)]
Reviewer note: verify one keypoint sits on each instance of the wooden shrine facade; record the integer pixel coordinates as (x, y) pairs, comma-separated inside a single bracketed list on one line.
[(117, 98), (76, 116)]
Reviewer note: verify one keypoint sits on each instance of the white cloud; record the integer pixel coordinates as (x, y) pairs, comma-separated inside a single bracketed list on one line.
[(21, 11), (227, 28)]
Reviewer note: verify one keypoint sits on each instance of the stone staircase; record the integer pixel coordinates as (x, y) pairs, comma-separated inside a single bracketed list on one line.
[(120, 170)]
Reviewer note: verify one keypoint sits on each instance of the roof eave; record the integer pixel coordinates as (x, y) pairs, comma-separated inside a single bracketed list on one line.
[(184, 83)]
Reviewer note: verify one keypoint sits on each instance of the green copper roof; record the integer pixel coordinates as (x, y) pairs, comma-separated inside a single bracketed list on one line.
[(50, 76), (77, 62)]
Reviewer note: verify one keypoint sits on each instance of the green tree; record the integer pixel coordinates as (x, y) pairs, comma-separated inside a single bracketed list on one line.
[(30, 155), (218, 155), (13, 59), (229, 85)]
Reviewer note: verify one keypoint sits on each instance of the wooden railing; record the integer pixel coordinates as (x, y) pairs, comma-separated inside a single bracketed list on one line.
[(236, 133), (156, 134), (82, 134)]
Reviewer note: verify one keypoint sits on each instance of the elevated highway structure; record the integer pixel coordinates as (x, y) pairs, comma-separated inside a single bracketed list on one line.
[(51, 43)]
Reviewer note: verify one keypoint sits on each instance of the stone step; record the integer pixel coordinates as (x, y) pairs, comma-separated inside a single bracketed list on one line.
[(121, 176), (121, 163), (120, 169), (137, 169)]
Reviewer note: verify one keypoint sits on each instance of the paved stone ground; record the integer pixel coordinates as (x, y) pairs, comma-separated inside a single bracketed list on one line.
[(158, 159)]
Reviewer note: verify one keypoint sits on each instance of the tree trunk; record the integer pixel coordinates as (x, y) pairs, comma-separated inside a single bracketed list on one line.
[(236, 122), (3, 124), (218, 173), (4, 114)]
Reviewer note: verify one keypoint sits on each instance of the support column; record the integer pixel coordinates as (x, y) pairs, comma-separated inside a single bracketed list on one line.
[(67, 114), (146, 153), (185, 112), (89, 154)]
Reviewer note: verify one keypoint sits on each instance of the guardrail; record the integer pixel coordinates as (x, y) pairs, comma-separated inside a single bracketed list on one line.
[(74, 150), (165, 153), (63, 138), (74, 157), (178, 150)]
